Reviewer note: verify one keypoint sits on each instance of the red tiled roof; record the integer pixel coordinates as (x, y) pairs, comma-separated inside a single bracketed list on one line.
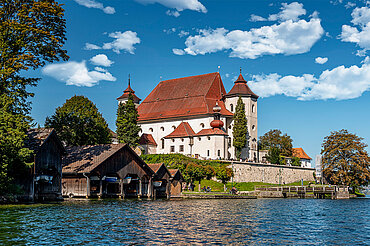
[(147, 139), (299, 152), (189, 96), (241, 88), (211, 131), (127, 92), (183, 130)]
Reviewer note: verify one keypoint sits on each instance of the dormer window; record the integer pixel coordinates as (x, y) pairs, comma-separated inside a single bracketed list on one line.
[(151, 129)]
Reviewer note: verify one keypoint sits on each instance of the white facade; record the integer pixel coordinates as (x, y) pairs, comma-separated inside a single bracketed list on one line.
[(207, 147), (250, 152)]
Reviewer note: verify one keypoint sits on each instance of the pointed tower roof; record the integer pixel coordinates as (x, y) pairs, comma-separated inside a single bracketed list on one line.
[(128, 91), (241, 88)]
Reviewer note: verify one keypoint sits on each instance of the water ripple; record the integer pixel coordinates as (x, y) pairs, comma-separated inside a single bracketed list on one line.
[(188, 222)]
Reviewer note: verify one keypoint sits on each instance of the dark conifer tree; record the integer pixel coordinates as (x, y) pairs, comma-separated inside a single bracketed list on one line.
[(127, 127), (240, 129)]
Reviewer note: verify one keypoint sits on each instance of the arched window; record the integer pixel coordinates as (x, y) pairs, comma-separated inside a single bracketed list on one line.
[(162, 128), (253, 127), (173, 140), (151, 129), (232, 108), (202, 125), (209, 138), (253, 109), (200, 139), (182, 140), (174, 127)]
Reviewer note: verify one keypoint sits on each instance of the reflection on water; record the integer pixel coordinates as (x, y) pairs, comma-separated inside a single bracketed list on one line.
[(252, 222)]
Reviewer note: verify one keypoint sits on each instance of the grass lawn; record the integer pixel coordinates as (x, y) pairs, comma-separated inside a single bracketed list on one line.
[(243, 186)]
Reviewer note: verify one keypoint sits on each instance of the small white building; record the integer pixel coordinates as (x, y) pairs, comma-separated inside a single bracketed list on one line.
[(305, 160), (194, 116)]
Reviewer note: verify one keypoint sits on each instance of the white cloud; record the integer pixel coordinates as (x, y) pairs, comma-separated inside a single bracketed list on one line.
[(101, 60), (179, 5), (359, 35), (255, 18), (286, 38), (89, 46), (178, 52), (174, 13), (339, 83), (183, 33), (170, 30), (321, 60), (76, 73), (123, 41), (96, 5), (288, 12)]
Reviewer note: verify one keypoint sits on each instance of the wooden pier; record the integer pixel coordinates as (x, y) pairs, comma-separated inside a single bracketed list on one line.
[(319, 192)]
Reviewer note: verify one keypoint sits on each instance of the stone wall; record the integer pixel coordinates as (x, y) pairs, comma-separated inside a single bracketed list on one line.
[(269, 173)]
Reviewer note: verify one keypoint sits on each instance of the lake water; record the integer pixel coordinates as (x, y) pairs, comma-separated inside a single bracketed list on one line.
[(193, 222)]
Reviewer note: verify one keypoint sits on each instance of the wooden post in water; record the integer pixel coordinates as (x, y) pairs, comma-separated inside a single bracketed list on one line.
[(140, 189), (100, 188)]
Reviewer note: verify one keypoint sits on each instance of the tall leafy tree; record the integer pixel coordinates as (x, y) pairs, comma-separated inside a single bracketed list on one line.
[(273, 155), (32, 32), (224, 174), (78, 122), (195, 172), (240, 129), (275, 138), (127, 127), (13, 155), (345, 160)]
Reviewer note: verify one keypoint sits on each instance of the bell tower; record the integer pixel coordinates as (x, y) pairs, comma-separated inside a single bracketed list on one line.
[(241, 89), (126, 93)]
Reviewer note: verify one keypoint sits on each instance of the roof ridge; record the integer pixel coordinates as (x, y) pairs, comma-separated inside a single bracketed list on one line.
[(170, 80)]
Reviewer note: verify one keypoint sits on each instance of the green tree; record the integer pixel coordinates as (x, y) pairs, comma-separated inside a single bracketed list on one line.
[(296, 161), (78, 122), (32, 32), (13, 155), (345, 160), (194, 172), (224, 174), (275, 138), (273, 155), (127, 127), (240, 129), (209, 172)]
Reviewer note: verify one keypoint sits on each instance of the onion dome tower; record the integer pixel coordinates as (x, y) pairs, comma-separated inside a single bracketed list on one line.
[(126, 93), (217, 123)]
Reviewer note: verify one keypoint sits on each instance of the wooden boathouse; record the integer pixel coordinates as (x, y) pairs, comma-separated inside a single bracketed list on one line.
[(43, 182), (110, 170), (162, 180), (176, 182)]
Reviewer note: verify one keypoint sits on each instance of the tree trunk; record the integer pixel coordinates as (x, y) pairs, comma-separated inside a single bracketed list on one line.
[(224, 187)]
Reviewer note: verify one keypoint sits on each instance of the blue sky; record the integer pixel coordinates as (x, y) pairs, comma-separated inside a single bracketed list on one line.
[(306, 59)]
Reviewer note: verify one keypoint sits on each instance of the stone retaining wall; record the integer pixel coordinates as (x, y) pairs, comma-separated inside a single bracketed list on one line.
[(269, 173)]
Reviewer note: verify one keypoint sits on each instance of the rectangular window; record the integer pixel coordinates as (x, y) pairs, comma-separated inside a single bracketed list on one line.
[(181, 148), (162, 143), (172, 148), (219, 153), (207, 152)]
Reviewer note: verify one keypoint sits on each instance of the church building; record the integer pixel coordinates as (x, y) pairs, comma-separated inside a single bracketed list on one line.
[(194, 116)]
